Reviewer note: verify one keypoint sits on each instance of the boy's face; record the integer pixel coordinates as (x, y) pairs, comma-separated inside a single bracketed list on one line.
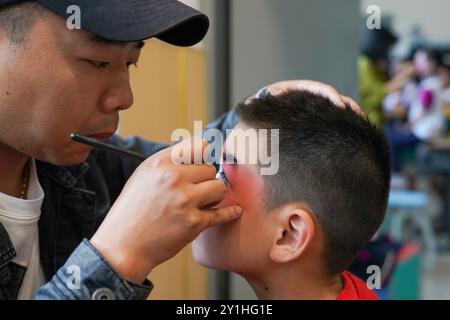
[(241, 246)]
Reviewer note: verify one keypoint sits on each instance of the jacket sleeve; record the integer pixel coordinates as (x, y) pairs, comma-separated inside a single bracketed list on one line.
[(88, 276), (225, 123)]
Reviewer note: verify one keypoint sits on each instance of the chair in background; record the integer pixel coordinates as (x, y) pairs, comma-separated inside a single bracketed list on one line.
[(409, 206)]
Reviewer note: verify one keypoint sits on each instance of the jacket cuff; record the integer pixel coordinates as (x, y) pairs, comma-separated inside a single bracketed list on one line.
[(88, 276)]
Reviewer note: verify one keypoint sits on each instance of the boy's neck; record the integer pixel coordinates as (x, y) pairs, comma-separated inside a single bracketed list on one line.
[(295, 284), (12, 163)]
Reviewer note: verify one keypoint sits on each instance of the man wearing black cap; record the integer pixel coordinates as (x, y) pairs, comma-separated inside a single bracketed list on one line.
[(55, 193)]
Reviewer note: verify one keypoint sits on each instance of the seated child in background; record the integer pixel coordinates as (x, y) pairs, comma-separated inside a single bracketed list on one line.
[(425, 119), (444, 75), (426, 115), (302, 227)]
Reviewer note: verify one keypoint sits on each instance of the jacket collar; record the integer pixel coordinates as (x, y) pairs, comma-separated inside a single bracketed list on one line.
[(7, 252), (66, 176)]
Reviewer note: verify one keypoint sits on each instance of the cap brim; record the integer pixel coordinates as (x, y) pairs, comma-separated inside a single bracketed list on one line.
[(127, 21)]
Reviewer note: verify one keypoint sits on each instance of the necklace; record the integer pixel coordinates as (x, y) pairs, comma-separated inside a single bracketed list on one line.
[(25, 180)]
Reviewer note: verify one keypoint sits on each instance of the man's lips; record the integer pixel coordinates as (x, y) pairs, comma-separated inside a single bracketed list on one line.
[(101, 136)]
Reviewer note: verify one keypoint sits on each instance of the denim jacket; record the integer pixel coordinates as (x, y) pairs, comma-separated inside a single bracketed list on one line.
[(76, 201)]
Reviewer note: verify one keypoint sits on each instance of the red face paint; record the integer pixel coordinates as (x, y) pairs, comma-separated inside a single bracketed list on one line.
[(247, 185)]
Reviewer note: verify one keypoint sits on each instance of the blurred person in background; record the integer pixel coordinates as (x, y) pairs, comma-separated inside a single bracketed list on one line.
[(373, 67), (396, 104), (444, 75), (425, 118)]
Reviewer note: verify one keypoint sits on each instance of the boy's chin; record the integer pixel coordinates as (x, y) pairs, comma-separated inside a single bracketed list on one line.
[(206, 259), (210, 263)]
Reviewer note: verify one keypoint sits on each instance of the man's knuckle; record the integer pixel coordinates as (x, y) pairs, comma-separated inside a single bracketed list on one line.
[(183, 198)]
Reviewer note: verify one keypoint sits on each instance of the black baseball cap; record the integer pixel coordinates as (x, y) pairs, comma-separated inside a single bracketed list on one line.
[(134, 20)]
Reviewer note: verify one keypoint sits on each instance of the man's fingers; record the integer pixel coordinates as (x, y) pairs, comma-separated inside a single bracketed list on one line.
[(315, 87), (221, 216), (319, 88), (197, 173), (323, 90), (209, 193), (350, 102), (189, 151)]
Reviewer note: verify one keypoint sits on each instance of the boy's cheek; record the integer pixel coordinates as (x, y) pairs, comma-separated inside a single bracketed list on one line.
[(246, 186)]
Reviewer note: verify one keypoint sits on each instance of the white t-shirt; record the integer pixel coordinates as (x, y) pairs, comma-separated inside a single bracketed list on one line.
[(446, 97), (428, 124), (20, 218)]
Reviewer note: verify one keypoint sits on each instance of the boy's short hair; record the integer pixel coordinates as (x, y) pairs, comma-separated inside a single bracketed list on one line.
[(333, 159)]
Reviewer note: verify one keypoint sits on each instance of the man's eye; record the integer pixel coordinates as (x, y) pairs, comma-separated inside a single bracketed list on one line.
[(99, 64), (129, 64)]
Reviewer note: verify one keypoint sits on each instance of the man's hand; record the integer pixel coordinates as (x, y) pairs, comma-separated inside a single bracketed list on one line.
[(314, 87), (162, 208)]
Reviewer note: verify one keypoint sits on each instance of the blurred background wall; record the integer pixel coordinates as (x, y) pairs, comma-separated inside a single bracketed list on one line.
[(291, 39), (430, 16)]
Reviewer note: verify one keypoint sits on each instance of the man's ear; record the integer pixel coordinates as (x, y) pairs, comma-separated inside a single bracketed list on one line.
[(294, 235)]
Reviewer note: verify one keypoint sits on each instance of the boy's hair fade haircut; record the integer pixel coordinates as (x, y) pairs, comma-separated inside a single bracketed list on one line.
[(17, 19), (331, 158)]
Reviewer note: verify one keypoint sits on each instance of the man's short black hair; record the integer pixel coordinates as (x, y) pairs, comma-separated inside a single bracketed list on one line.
[(17, 19), (331, 158)]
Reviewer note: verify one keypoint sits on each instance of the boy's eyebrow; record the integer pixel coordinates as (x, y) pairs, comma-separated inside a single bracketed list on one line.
[(104, 41)]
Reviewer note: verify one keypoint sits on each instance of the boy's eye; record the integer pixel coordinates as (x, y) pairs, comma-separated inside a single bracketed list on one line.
[(229, 159)]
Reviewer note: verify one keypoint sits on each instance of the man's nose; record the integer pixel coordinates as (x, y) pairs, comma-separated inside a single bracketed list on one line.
[(119, 96)]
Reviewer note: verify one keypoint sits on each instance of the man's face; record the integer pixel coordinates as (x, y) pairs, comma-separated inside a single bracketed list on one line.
[(241, 246), (59, 82)]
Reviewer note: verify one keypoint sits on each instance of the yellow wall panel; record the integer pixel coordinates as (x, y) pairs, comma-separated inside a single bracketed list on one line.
[(169, 88)]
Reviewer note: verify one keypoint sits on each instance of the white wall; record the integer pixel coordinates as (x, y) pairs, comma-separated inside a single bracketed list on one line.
[(432, 15), (275, 40)]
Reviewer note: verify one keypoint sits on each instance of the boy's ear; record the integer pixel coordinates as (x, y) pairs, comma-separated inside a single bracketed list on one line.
[(294, 235)]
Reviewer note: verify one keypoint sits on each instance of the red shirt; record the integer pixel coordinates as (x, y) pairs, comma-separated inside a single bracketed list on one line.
[(355, 289)]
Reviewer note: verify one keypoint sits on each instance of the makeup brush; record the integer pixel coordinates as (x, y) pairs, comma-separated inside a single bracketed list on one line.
[(98, 144)]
